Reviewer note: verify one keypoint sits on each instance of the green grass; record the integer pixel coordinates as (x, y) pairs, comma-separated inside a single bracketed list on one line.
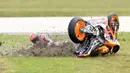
[(108, 64), (118, 63), (3, 64), (14, 41), (63, 7)]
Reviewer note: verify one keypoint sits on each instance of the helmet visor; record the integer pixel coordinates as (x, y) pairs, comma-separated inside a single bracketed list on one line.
[(35, 40)]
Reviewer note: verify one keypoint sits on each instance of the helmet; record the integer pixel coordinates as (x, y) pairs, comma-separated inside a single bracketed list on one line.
[(34, 37)]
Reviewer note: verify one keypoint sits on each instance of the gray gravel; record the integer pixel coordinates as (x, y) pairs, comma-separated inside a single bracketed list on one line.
[(66, 50)]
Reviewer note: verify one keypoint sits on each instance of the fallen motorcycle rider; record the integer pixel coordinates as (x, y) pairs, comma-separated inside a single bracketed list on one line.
[(40, 40)]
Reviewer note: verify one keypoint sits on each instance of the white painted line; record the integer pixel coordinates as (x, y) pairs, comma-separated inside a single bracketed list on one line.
[(47, 24)]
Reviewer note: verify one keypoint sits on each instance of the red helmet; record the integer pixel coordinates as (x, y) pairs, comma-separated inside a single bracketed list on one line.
[(34, 37)]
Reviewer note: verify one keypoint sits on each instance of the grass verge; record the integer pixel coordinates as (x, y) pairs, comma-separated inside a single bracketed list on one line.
[(118, 63), (33, 8)]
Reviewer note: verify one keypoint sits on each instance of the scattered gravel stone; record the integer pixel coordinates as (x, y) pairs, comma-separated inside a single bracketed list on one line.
[(65, 50)]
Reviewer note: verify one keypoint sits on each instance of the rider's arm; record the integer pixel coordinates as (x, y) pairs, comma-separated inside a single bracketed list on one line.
[(34, 45), (48, 39)]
